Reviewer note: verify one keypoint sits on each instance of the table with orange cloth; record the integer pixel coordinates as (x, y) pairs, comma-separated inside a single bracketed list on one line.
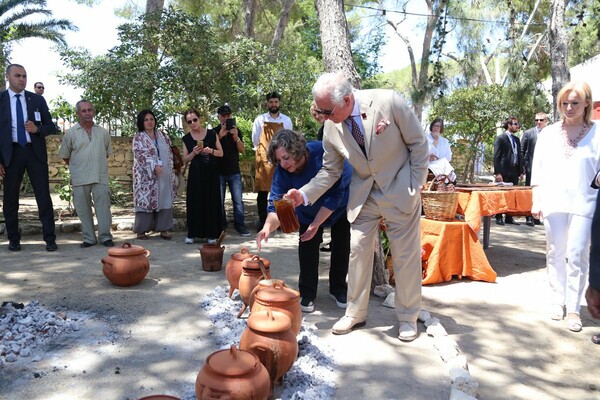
[(452, 249), (477, 202)]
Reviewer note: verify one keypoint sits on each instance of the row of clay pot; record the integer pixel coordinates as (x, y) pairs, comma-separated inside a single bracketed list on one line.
[(268, 346)]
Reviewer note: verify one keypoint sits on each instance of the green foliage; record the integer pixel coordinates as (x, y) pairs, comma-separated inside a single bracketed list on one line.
[(16, 24), (118, 194), (62, 109), (474, 115), (64, 188)]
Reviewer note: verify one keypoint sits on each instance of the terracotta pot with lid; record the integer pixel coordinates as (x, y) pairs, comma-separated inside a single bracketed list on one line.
[(233, 374), (254, 269), (279, 297), (127, 265), (270, 337), (233, 269)]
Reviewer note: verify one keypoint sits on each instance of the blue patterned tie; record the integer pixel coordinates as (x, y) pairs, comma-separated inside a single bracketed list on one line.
[(21, 137)]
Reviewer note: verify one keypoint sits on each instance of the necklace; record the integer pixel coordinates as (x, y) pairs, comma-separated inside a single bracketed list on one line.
[(571, 144)]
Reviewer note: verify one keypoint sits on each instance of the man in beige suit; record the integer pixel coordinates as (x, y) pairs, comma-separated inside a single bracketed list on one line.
[(384, 142)]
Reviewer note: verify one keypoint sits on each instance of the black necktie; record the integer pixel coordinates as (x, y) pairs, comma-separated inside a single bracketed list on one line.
[(21, 137)]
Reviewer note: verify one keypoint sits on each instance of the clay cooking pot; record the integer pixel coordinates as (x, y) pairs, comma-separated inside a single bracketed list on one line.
[(279, 297), (270, 337), (233, 269), (233, 374), (253, 270), (127, 265)]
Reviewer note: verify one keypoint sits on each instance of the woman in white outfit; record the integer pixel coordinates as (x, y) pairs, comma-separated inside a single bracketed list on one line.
[(440, 153), (566, 161)]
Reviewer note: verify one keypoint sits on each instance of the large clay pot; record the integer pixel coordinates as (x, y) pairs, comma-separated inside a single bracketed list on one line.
[(263, 283), (127, 265), (212, 257), (233, 374), (269, 335), (233, 269), (254, 269), (279, 297)]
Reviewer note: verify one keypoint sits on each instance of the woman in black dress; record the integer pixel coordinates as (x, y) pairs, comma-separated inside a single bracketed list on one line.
[(201, 147)]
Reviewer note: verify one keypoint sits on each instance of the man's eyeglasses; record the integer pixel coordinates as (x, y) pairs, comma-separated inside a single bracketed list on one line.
[(192, 121), (39, 87), (515, 123), (540, 120), (327, 113)]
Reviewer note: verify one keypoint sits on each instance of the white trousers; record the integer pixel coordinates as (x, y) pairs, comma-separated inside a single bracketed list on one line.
[(568, 258)]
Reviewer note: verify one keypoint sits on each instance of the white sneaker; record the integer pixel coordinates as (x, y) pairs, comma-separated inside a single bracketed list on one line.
[(346, 324), (189, 240), (408, 331)]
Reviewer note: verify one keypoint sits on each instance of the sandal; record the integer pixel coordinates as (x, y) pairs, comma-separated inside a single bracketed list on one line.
[(574, 322), (142, 236), (596, 339), (165, 235)]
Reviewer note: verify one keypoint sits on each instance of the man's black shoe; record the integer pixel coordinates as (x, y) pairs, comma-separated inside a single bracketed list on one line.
[(499, 221), (529, 221), (108, 243), (537, 221), (14, 245), (51, 246), (85, 245), (512, 221)]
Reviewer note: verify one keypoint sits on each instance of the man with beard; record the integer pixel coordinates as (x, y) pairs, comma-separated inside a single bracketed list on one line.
[(263, 129)]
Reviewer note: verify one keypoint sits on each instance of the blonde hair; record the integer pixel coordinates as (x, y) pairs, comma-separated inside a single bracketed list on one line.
[(584, 91)]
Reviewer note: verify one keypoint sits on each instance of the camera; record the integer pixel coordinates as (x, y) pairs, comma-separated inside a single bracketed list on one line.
[(229, 123)]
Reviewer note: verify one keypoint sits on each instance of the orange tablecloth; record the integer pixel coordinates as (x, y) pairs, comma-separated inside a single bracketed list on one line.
[(452, 248), (474, 204)]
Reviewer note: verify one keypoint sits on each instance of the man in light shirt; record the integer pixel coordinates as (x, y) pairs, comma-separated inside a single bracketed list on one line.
[(262, 132), (85, 149)]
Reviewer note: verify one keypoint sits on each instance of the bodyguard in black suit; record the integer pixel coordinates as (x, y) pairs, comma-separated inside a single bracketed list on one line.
[(25, 122), (529, 139), (508, 163)]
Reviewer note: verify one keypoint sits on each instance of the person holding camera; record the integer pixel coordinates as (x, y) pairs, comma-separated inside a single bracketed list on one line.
[(229, 167)]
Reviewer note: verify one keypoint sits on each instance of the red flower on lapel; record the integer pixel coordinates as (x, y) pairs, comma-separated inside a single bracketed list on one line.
[(381, 126), (363, 115)]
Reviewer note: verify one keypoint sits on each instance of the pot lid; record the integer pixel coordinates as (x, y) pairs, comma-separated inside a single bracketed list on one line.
[(127, 249), (276, 292), (232, 361), (252, 262), (242, 255), (269, 321)]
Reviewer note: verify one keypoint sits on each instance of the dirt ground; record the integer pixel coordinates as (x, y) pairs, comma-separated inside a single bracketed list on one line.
[(153, 338)]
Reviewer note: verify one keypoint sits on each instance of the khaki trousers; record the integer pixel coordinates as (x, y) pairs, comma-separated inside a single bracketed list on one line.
[(404, 232), (82, 199)]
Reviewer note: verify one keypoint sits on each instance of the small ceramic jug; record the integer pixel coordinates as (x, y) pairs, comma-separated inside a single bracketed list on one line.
[(212, 257), (253, 270)]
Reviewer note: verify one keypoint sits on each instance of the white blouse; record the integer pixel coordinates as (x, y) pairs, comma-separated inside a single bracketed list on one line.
[(443, 148), (562, 182)]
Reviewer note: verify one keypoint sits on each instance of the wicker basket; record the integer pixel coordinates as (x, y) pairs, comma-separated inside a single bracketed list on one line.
[(439, 205)]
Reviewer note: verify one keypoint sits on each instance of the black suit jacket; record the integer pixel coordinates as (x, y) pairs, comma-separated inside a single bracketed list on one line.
[(504, 160), (38, 140), (527, 147)]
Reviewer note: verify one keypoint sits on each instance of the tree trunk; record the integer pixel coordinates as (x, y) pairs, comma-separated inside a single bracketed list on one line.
[(249, 8), (333, 27), (380, 271), (283, 21), (557, 38)]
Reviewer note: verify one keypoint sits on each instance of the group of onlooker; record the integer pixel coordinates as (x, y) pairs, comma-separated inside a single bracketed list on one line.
[(370, 165)]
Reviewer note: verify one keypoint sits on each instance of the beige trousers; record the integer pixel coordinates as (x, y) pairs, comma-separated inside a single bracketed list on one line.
[(404, 232)]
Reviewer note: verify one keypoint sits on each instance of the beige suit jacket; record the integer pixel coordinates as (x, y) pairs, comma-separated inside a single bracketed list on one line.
[(396, 159)]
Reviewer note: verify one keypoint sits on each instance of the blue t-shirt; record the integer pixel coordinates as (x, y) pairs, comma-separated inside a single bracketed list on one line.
[(335, 199)]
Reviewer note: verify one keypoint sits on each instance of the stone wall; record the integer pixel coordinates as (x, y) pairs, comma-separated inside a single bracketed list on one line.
[(120, 163)]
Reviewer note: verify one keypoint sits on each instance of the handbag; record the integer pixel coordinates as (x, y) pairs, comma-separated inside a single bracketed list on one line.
[(177, 160)]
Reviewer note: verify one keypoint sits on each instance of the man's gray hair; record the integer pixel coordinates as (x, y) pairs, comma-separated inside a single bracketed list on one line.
[(83, 101), (334, 84)]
